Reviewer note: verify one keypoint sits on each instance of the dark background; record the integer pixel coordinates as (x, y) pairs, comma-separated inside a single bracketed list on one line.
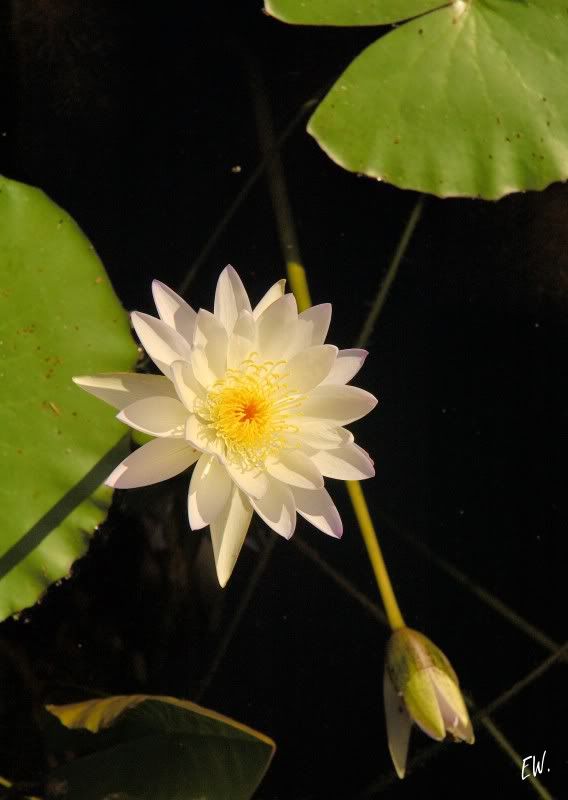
[(134, 119)]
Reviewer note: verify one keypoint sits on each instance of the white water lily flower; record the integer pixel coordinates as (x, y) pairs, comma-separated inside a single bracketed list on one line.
[(253, 398)]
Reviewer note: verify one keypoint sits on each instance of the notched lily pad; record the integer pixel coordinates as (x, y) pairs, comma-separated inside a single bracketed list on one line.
[(470, 99), (59, 316)]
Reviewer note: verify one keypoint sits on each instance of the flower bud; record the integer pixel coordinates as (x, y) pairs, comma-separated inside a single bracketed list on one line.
[(420, 686)]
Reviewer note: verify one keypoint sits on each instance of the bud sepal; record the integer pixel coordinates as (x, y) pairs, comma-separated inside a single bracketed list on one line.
[(421, 686)]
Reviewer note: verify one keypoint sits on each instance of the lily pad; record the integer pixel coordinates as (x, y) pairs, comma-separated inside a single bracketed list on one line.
[(347, 12), (470, 99), (59, 316), (154, 748)]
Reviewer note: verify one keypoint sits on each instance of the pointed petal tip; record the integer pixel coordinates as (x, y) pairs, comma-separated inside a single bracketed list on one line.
[(466, 733), (137, 319), (336, 528), (223, 574), (88, 380), (398, 724), (230, 270), (287, 534), (157, 287), (400, 770)]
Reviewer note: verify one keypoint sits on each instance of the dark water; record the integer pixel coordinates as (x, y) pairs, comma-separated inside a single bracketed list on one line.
[(134, 121)]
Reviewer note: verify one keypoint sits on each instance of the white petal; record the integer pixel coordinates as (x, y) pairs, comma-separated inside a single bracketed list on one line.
[(338, 405), (398, 725), (253, 482), (309, 367), (316, 434), (228, 533), (162, 343), (202, 438), (211, 337), (317, 507), (208, 329), (295, 468), (275, 291), (230, 298), (452, 707), (209, 491), (120, 389), (173, 310), (157, 416), (202, 371), (186, 384), (346, 463), (274, 327), (277, 509), (313, 325), (155, 461), (347, 365), (242, 341)]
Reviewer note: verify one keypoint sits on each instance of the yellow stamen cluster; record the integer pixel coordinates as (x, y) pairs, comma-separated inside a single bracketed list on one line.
[(249, 410)]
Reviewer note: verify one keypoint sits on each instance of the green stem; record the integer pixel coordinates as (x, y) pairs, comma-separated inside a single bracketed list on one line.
[(299, 284), (375, 554)]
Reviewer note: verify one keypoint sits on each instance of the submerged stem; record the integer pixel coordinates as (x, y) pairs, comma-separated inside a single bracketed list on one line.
[(392, 270)]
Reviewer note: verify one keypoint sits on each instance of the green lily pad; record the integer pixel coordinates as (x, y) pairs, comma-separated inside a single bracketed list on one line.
[(59, 316), (470, 99), (154, 748), (347, 12)]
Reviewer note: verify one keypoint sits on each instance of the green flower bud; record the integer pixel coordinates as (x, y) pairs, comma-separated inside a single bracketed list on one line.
[(420, 686)]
